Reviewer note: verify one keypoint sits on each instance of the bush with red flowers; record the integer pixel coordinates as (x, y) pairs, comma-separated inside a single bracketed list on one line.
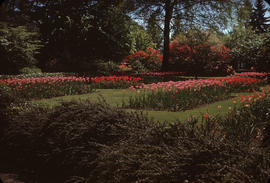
[(200, 59), (144, 61)]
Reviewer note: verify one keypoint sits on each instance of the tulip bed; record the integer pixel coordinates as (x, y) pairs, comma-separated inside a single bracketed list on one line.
[(115, 82), (184, 95), (48, 87)]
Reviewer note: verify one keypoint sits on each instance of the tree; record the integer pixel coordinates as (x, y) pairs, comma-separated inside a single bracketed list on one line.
[(154, 29), (172, 8), (79, 32), (18, 48), (258, 20)]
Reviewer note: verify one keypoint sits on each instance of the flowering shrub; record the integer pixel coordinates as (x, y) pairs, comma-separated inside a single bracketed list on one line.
[(149, 60), (183, 95), (47, 87), (115, 81), (200, 58)]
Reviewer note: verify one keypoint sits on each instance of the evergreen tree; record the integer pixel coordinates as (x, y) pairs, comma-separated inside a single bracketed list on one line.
[(258, 20)]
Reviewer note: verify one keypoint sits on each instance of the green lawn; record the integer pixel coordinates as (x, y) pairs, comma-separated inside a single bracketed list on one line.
[(115, 97)]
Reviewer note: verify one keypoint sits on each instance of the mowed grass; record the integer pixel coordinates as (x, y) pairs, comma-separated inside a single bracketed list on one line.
[(115, 98)]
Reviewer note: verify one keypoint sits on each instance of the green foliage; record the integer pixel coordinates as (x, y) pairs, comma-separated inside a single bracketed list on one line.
[(246, 48), (102, 31), (18, 48), (36, 75), (106, 68), (154, 29), (138, 38), (29, 70)]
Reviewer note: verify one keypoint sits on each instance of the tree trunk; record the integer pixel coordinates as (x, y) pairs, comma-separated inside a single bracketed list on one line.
[(166, 35)]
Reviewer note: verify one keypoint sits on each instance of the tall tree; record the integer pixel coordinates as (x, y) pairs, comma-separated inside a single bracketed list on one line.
[(154, 29), (258, 20), (170, 9)]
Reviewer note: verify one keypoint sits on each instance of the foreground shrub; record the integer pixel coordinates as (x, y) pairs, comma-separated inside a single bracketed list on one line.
[(180, 154), (95, 143), (65, 142), (6, 99)]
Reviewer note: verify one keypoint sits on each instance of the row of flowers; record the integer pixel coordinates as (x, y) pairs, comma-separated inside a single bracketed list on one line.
[(252, 74), (47, 87), (183, 95)]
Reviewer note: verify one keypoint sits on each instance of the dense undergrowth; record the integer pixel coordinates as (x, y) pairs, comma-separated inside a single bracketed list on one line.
[(90, 142)]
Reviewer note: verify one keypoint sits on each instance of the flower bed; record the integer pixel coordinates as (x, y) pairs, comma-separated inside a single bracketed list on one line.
[(237, 84), (47, 87), (251, 74), (183, 95), (154, 77), (115, 81)]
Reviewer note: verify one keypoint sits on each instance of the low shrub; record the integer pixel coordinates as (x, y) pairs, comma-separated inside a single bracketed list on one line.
[(6, 99), (65, 141), (180, 153), (106, 68), (96, 143), (36, 75), (30, 70)]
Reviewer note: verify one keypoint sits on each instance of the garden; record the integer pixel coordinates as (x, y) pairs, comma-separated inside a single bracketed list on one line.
[(106, 99)]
